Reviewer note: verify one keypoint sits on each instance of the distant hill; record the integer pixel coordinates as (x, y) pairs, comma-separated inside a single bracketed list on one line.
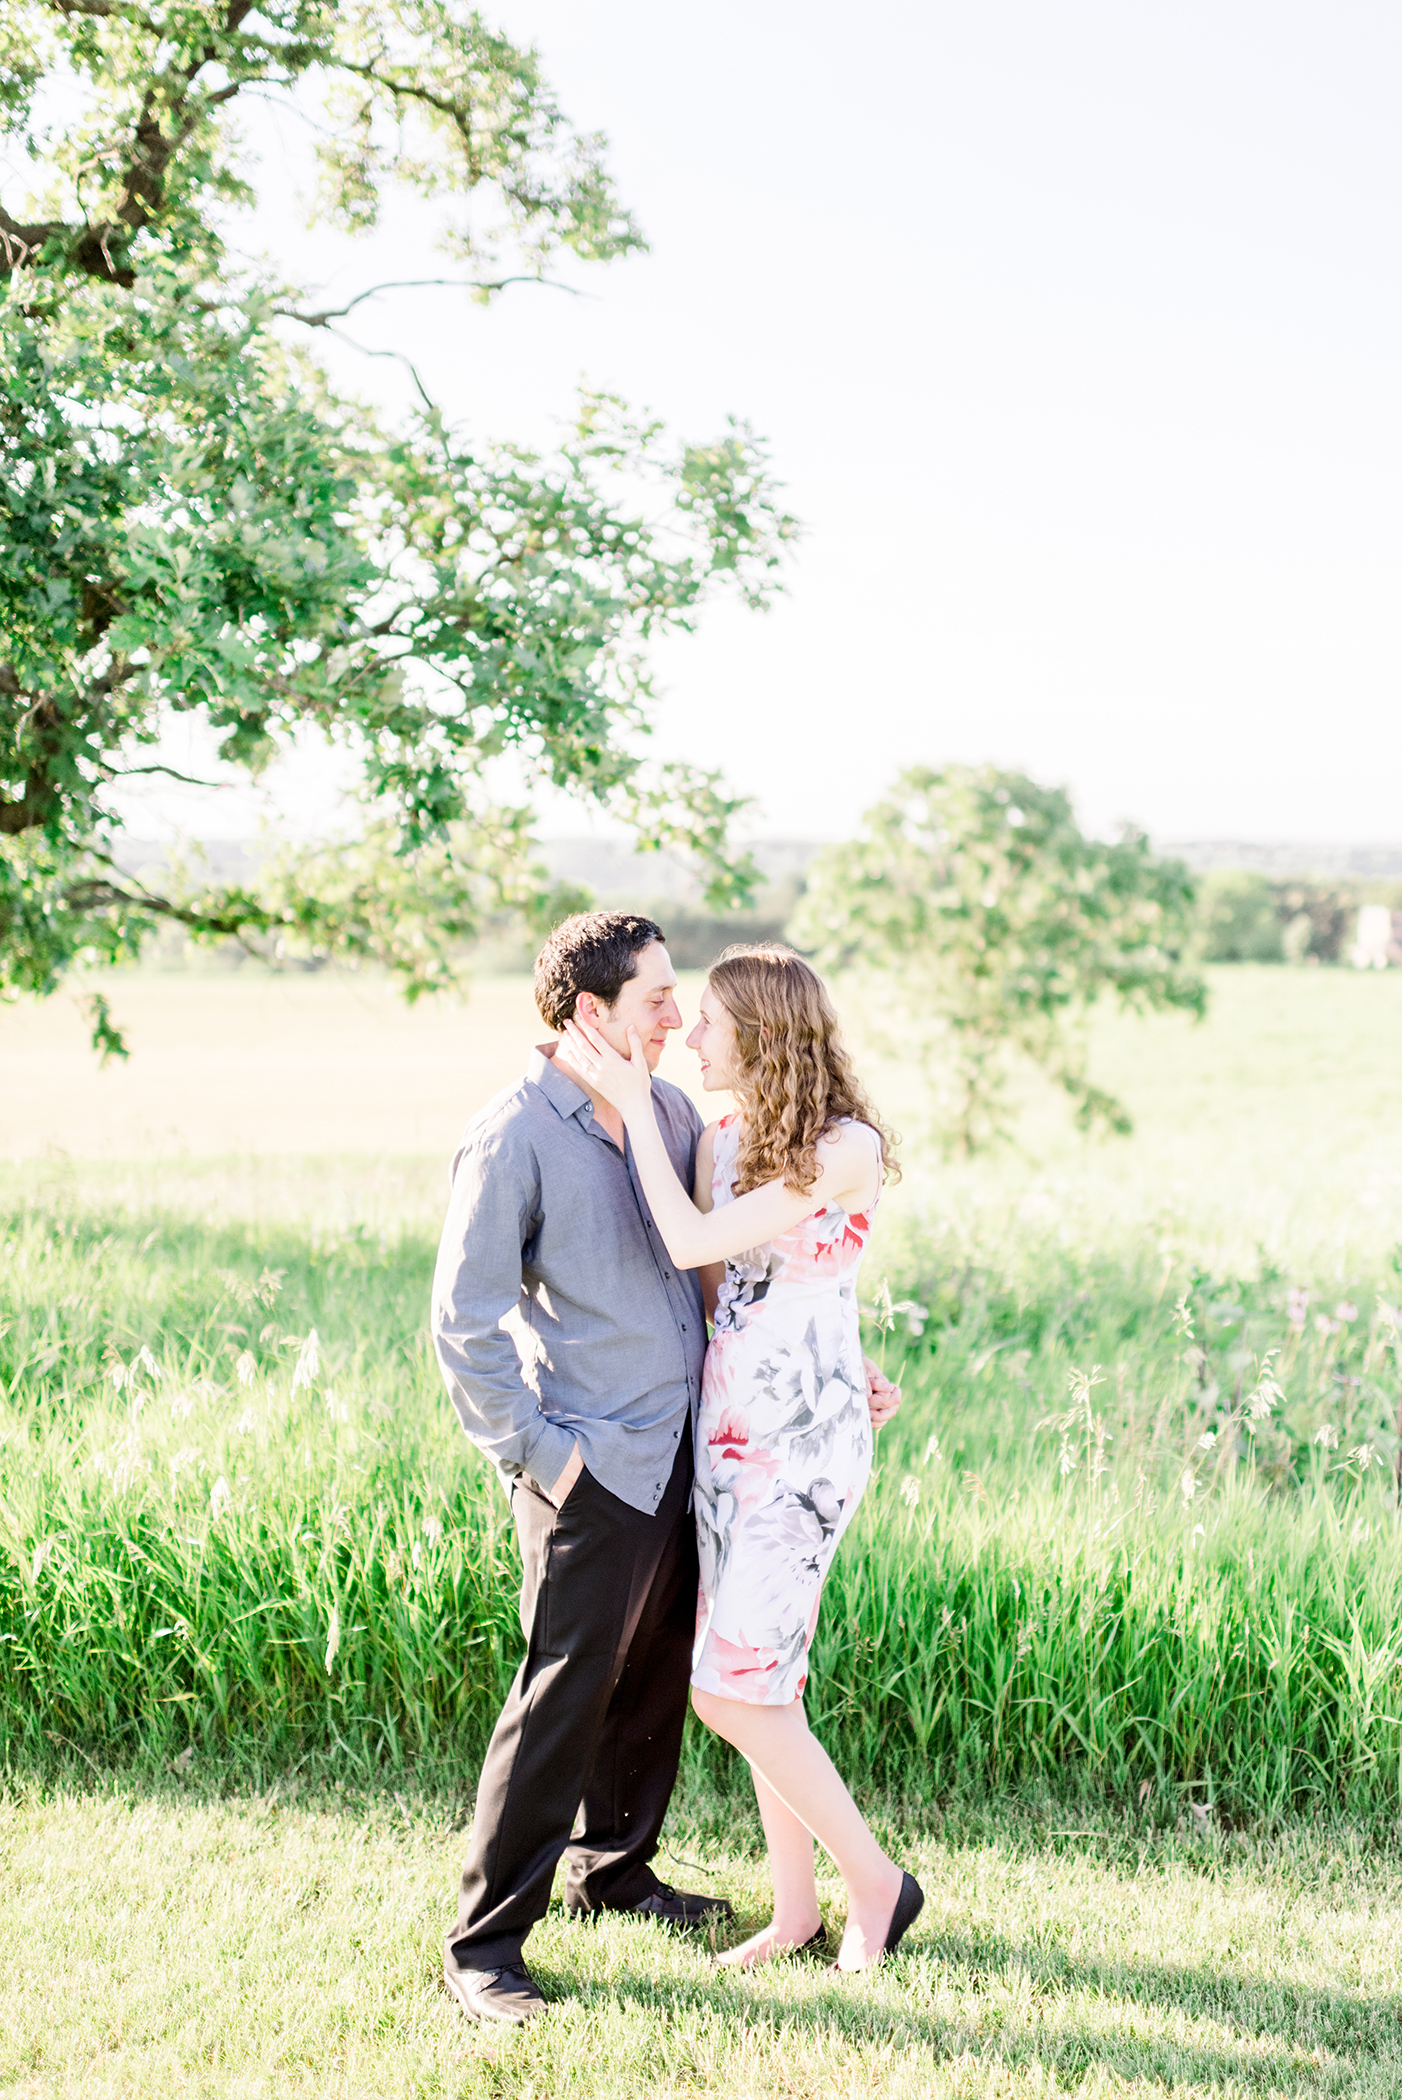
[(1282, 859), (612, 872)]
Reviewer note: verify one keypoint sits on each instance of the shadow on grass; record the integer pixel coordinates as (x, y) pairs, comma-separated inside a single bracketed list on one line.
[(1361, 2034), (1309, 2016)]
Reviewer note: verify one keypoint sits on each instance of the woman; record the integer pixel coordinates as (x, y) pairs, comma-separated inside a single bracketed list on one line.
[(783, 1198)]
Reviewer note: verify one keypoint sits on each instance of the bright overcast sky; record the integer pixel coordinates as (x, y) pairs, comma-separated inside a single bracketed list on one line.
[(1075, 333)]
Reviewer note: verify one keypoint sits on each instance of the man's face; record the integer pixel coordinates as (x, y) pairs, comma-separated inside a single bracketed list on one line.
[(647, 1002)]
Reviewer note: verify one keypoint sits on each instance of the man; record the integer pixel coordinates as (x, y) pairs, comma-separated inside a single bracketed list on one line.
[(572, 1350)]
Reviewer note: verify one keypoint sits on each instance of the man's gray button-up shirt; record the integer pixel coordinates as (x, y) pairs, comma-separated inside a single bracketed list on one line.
[(557, 1312)]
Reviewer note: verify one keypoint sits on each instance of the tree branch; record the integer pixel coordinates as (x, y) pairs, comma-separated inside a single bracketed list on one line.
[(131, 772), (95, 895), (413, 92), (398, 355), (90, 247), (326, 315), (105, 9), (27, 814)]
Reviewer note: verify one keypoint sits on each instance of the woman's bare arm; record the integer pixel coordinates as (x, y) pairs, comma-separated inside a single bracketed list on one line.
[(847, 1170), (712, 1274)]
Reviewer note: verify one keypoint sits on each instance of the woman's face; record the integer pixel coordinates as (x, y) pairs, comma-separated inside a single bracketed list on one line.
[(713, 1040)]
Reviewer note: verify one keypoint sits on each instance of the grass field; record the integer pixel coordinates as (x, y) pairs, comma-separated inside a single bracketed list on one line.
[(177, 1940), (256, 1598)]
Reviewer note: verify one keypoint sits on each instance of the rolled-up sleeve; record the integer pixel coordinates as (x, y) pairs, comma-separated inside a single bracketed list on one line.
[(476, 1284)]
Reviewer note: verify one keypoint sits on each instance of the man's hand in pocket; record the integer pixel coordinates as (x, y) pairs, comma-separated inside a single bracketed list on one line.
[(574, 1466)]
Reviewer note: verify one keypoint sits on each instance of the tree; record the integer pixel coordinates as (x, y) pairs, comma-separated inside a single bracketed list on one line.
[(989, 925), (1238, 919), (192, 521)]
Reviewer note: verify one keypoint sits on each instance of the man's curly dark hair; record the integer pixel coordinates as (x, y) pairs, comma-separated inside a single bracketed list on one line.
[(595, 951)]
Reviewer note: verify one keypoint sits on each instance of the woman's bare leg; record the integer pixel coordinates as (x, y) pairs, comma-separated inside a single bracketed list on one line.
[(776, 1743), (796, 1914)]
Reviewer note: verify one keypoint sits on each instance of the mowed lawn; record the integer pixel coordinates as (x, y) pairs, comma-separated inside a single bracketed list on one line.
[(164, 1941), (177, 1932)]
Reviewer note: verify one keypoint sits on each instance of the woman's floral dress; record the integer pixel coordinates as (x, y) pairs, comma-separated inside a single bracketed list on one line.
[(783, 1445)]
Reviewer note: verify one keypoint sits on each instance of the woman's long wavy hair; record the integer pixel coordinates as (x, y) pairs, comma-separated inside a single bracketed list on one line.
[(792, 1069)]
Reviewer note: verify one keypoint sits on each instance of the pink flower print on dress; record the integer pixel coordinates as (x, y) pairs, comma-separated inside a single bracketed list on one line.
[(747, 1665), (827, 1245), (783, 1447), (730, 1438)]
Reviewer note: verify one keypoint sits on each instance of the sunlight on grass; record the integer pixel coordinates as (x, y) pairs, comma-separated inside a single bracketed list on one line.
[(1122, 1603), (171, 1941)]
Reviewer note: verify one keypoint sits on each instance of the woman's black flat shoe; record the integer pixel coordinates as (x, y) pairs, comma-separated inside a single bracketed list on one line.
[(909, 1904)]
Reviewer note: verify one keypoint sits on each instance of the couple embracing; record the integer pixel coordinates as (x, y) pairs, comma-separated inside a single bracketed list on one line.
[(677, 1506)]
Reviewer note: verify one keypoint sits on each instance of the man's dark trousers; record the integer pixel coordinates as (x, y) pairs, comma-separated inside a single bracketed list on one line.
[(592, 1725)]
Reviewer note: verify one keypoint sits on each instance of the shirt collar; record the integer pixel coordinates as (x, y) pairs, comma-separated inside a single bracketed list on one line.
[(564, 1096)]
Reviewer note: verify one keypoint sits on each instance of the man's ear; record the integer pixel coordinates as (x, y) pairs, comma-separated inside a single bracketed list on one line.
[(587, 1008)]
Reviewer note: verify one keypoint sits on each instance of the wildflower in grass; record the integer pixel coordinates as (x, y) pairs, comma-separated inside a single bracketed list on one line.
[(220, 1496), (308, 1361), (932, 1454), (1199, 1531), (1345, 1312), (910, 1491), (880, 1310), (187, 1456), (433, 1530), (118, 1375), (1208, 1440), (246, 1423), (1183, 1317), (182, 1406), (1189, 1486), (1327, 1435), (1296, 1309), (246, 1369), (335, 1407), (1324, 1325), (148, 1362), (1267, 1394), (1365, 1455)]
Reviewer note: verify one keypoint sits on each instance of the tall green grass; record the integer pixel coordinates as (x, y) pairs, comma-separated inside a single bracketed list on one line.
[(1136, 1523)]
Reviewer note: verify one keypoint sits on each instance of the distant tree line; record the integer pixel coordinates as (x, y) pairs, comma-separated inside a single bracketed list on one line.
[(1244, 916)]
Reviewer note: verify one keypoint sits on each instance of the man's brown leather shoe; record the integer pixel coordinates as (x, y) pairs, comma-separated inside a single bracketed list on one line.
[(508, 1997)]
